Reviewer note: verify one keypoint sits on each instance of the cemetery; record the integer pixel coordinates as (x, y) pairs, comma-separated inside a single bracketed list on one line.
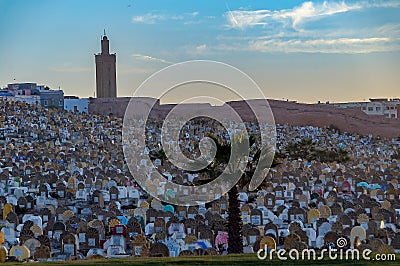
[(66, 193)]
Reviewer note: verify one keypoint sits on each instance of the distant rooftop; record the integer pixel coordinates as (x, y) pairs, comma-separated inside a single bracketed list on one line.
[(384, 100)]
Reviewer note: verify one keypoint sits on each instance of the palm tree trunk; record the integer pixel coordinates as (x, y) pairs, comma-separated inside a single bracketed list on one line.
[(235, 241)]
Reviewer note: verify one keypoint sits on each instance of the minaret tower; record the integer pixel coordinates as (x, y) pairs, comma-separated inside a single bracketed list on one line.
[(106, 81)]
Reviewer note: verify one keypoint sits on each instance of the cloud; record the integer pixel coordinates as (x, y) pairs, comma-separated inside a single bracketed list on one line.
[(379, 39), (201, 48), (151, 18), (299, 29), (151, 58), (148, 18), (338, 45), (241, 19), (389, 29), (310, 11)]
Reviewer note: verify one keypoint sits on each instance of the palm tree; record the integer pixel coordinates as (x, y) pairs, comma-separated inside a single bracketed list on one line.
[(235, 236), (223, 160)]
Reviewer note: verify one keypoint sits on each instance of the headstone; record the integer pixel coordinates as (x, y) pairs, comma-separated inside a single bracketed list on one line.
[(20, 252), (139, 243)]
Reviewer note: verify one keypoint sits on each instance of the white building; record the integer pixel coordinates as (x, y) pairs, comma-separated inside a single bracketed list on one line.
[(30, 99), (384, 107), (32, 93)]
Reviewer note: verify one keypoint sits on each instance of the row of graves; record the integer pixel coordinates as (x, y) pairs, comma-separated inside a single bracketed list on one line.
[(291, 212), (67, 194)]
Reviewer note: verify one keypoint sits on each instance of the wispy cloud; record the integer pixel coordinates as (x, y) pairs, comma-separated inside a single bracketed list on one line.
[(148, 18), (389, 29), (151, 58), (339, 45), (152, 18), (241, 19), (321, 44)]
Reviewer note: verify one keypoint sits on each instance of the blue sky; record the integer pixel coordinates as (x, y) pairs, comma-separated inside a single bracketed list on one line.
[(301, 50)]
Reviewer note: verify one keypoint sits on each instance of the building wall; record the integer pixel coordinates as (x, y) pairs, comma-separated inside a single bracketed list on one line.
[(30, 99), (80, 105), (117, 106), (391, 113), (105, 106), (373, 108), (398, 111), (52, 98), (391, 109), (22, 86)]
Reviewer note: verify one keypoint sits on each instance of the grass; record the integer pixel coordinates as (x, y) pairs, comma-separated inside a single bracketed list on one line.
[(245, 259)]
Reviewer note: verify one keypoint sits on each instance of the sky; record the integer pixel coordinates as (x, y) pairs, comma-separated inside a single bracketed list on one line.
[(308, 51)]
